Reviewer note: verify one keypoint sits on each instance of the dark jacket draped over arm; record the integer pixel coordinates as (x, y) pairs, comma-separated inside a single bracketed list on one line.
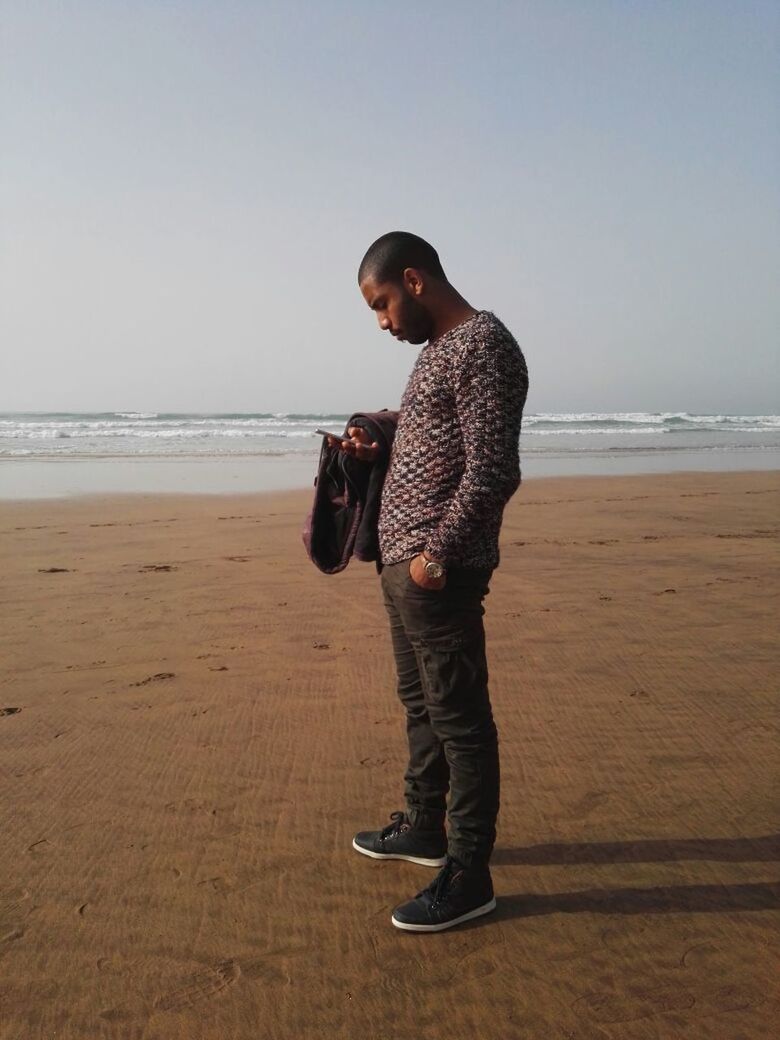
[(344, 517)]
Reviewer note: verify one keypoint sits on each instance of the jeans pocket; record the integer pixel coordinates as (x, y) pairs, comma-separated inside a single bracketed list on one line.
[(424, 590), (444, 666)]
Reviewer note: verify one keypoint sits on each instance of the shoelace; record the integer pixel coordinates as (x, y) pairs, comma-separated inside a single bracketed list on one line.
[(399, 819), (438, 887)]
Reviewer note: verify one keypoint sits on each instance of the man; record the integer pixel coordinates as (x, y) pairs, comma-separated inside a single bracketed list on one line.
[(454, 465)]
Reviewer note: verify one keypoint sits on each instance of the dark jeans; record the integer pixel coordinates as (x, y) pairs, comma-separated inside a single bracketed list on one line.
[(439, 646)]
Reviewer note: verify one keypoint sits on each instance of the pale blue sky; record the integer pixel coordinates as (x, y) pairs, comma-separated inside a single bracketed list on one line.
[(186, 190)]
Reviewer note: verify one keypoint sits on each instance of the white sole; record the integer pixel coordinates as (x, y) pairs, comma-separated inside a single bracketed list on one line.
[(409, 859), (447, 924)]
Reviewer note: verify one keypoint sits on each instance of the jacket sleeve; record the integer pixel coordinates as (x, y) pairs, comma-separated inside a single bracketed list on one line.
[(490, 391)]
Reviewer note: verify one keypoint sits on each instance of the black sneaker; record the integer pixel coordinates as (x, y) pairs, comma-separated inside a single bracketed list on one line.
[(402, 840), (458, 894)]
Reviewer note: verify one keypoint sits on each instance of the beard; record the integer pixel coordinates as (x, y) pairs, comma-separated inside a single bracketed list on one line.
[(416, 322)]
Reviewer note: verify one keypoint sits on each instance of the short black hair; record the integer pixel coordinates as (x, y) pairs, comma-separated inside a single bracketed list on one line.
[(388, 257)]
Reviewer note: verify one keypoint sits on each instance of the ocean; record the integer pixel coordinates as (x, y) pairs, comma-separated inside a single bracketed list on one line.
[(160, 434), (268, 450)]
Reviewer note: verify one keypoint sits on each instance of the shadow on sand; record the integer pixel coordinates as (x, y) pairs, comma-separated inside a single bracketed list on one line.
[(764, 849), (664, 899)]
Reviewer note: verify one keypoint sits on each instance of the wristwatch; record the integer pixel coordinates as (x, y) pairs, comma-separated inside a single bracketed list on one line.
[(433, 569)]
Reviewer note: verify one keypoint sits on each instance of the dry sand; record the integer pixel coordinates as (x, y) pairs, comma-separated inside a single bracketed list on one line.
[(195, 721)]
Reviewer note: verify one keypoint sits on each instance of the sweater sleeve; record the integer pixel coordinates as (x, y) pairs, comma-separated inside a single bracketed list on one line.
[(490, 392)]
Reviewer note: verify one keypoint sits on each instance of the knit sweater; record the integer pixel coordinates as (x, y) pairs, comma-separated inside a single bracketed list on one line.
[(455, 458)]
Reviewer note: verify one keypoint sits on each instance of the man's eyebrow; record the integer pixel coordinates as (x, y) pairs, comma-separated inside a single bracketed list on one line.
[(377, 300)]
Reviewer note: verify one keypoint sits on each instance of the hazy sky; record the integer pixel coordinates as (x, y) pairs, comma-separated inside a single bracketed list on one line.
[(186, 189)]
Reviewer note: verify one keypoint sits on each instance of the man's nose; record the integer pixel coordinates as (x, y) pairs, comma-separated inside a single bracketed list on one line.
[(384, 323)]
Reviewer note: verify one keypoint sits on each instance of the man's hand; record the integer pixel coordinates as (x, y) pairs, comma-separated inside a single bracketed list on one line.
[(419, 577), (358, 445)]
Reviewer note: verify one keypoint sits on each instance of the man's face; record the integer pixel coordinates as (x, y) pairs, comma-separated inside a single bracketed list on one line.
[(398, 310)]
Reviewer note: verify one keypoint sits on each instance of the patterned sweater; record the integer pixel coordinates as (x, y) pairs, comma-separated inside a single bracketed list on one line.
[(455, 459)]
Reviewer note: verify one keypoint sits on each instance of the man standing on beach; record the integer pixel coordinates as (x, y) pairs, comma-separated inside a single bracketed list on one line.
[(453, 467)]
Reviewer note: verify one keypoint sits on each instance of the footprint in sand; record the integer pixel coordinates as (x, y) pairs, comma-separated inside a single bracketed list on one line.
[(53, 570), (14, 908), (205, 985), (196, 805), (592, 800), (157, 567), (477, 964), (731, 997), (614, 1008), (117, 1014), (641, 695), (13, 900), (238, 559), (218, 884), (9, 711), (261, 969), (158, 677)]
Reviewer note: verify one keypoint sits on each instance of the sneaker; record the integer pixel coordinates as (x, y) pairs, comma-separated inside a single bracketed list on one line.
[(402, 840), (456, 895)]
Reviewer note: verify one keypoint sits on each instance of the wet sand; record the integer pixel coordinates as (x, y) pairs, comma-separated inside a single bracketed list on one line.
[(192, 728)]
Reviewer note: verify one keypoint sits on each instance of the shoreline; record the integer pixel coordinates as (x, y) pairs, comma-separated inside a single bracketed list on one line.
[(306, 493), (62, 478)]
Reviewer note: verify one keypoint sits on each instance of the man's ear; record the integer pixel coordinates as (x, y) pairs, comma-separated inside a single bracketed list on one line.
[(414, 281)]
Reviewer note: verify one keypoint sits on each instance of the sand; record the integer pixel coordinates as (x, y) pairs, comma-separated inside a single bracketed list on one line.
[(195, 721)]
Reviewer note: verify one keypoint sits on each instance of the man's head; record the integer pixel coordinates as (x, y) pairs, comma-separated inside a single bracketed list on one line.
[(400, 277)]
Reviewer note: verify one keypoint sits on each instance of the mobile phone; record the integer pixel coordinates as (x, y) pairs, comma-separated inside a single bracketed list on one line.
[(336, 436)]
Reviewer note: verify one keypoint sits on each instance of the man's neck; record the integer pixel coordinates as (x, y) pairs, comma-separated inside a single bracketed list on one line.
[(455, 313)]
